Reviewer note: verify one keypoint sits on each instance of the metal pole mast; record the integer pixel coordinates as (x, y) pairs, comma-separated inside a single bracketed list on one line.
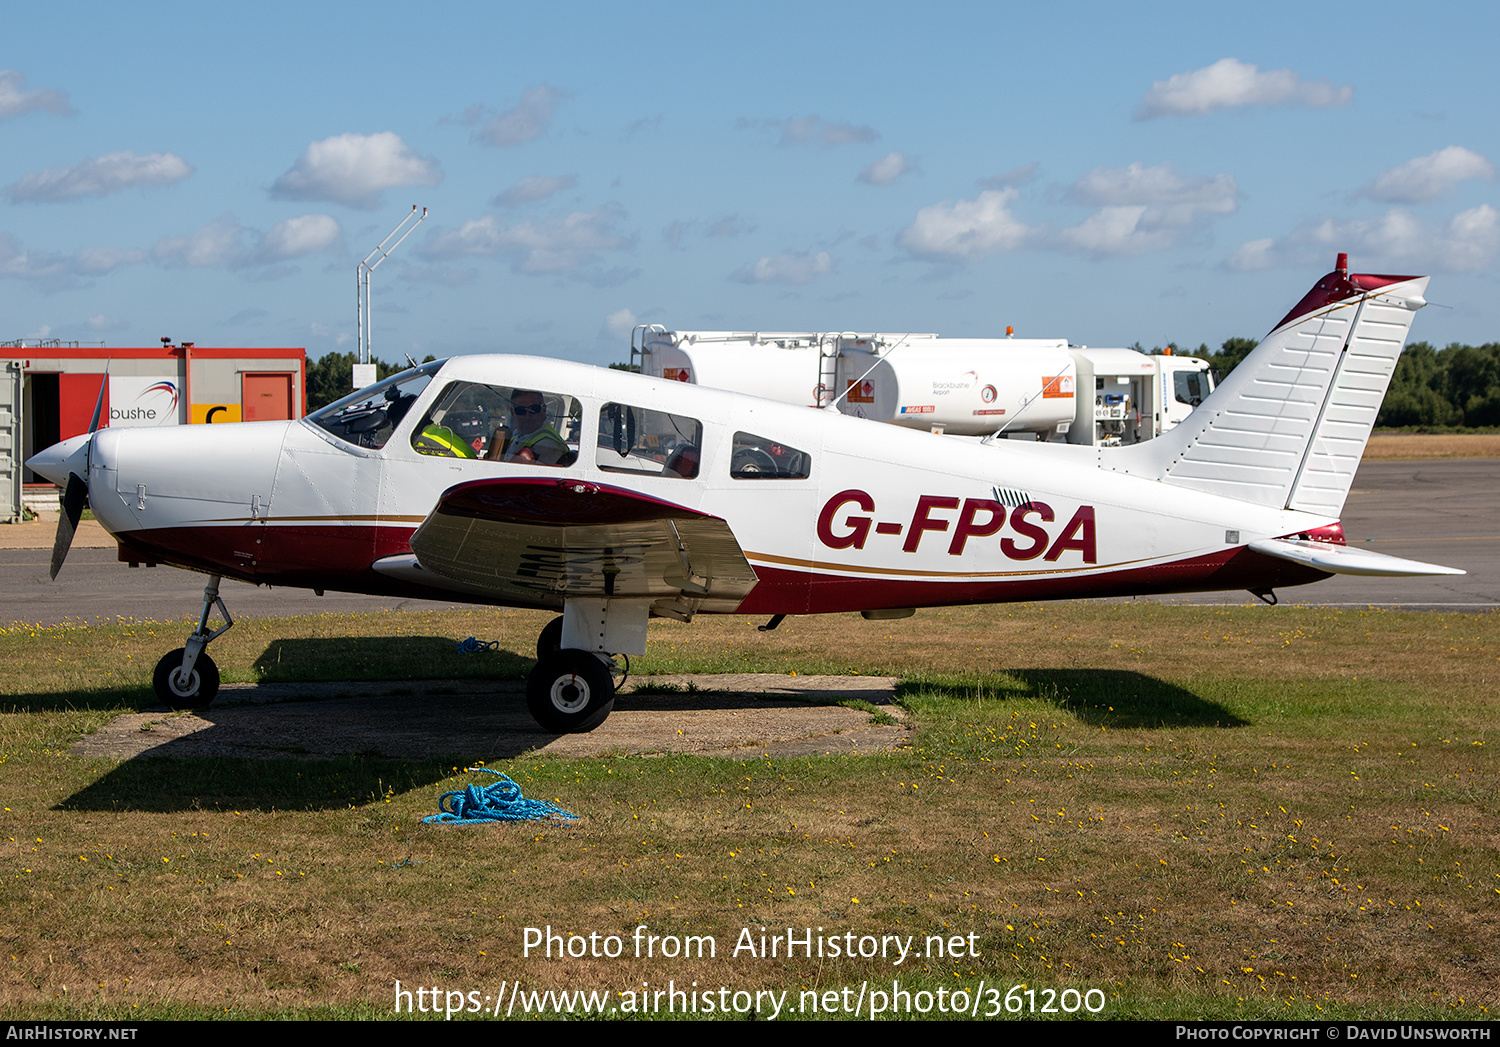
[(362, 278)]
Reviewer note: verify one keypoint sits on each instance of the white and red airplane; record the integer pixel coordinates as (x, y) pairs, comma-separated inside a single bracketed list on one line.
[(474, 479)]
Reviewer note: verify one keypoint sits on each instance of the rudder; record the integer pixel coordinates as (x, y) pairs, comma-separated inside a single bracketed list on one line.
[(1288, 426)]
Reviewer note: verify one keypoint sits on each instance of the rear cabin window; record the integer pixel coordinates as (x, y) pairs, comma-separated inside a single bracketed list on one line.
[(761, 458), (501, 424), (654, 443)]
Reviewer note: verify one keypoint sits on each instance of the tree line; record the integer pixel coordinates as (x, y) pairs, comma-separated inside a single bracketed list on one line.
[(1458, 386), (330, 377)]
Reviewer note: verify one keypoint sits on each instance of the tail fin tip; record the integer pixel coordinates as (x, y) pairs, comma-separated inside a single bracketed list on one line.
[(1340, 286)]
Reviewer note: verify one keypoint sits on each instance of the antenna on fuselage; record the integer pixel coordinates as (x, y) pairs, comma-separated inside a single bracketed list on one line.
[(362, 294)]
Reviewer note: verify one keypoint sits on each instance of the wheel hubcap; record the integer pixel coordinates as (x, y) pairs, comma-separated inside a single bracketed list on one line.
[(570, 694)]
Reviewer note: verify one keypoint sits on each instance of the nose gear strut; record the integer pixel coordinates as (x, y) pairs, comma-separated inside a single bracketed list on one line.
[(187, 678)]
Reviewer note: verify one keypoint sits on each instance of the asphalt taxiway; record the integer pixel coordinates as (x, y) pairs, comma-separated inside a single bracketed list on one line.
[(1445, 512)]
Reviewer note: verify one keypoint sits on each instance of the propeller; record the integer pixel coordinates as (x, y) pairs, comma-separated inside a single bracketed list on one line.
[(76, 494), (75, 498)]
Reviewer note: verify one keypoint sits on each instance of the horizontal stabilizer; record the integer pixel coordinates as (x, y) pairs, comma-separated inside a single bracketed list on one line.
[(1341, 559)]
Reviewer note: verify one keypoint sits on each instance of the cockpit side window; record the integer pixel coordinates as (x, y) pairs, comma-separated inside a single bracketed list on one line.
[(654, 443), (761, 458), (368, 417), (501, 424)]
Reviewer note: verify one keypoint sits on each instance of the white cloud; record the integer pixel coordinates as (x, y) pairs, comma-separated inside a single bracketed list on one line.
[(1467, 242), (886, 170), (355, 169), (15, 99), (724, 227), (225, 244), (966, 230), (620, 324), (105, 322), (568, 243), (801, 268), (99, 176), (533, 188), (1230, 83), (42, 267), (1139, 184), (526, 121), (296, 237), (1139, 209), (96, 261), (1114, 231), (220, 243), (1428, 177), (1253, 255), (814, 130), (1144, 208), (55, 272)]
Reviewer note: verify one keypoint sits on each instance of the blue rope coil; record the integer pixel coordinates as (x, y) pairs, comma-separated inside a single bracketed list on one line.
[(499, 801), (473, 645)]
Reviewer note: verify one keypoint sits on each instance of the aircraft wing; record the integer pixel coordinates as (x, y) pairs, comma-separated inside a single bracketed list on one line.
[(517, 538), (1343, 559)]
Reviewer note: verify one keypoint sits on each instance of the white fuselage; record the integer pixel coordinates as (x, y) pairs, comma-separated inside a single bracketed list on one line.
[(884, 518)]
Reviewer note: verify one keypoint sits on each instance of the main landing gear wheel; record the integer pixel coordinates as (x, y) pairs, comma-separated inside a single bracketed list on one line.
[(196, 691), (570, 692), (550, 641)]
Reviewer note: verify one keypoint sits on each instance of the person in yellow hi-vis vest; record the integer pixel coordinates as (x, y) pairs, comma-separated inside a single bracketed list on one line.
[(441, 441), (533, 439)]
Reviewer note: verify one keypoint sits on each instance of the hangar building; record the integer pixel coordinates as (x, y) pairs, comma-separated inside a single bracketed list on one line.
[(48, 390)]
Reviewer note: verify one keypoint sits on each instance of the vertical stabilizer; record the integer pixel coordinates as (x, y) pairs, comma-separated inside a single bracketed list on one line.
[(1288, 426)]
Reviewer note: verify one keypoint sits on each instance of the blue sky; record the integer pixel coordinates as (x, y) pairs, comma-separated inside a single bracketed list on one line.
[(1103, 173)]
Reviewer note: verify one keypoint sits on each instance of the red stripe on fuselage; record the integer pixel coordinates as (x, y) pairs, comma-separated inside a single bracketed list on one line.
[(782, 591), (338, 558)]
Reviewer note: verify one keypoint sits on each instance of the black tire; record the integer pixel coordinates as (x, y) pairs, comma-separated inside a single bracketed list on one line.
[(550, 642), (570, 692), (199, 690)]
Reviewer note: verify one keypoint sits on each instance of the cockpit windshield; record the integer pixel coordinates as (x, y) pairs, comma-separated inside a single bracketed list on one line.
[(367, 418)]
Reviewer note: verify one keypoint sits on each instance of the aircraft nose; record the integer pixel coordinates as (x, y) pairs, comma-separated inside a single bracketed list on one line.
[(57, 461)]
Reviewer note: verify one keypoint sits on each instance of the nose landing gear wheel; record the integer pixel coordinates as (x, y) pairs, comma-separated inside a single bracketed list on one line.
[(197, 691), (570, 692)]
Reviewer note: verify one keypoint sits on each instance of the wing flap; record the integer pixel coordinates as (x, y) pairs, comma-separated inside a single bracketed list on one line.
[(1342, 559), (519, 538)]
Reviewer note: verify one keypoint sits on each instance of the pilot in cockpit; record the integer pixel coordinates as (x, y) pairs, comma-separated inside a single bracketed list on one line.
[(533, 439)]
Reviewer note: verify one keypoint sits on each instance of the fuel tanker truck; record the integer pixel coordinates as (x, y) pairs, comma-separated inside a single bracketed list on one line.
[(1020, 388)]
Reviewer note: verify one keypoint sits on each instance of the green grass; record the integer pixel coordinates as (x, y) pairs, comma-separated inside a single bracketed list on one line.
[(1213, 812)]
